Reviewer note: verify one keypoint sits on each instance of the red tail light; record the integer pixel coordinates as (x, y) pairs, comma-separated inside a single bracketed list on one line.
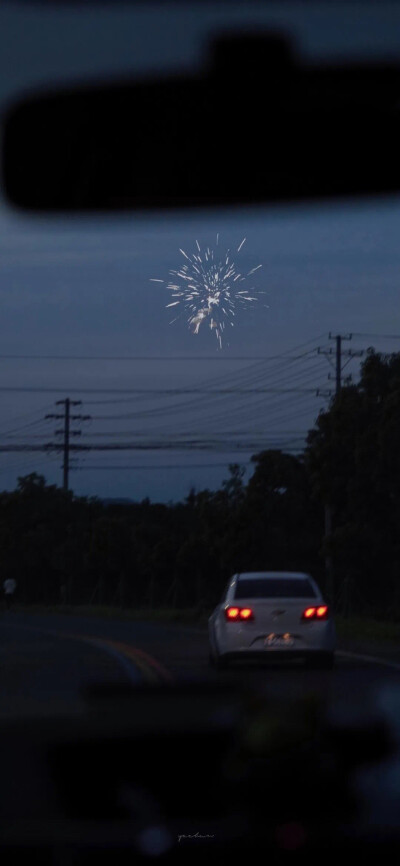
[(233, 614), (246, 613), (320, 612)]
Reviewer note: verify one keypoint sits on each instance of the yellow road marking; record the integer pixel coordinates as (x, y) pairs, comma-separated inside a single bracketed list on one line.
[(149, 667)]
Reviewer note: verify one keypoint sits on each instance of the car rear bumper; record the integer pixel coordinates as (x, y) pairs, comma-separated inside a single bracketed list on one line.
[(270, 656), (236, 639)]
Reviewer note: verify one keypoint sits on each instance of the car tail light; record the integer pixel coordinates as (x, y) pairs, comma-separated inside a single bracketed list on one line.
[(308, 613), (233, 614), (246, 613), (320, 612)]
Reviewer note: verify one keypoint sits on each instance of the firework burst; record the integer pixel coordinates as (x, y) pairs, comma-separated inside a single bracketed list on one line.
[(210, 289)]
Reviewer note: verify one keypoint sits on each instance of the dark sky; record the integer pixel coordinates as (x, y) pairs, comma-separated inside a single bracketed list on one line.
[(82, 286)]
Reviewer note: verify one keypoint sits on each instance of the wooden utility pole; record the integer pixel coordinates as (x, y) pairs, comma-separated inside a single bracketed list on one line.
[(67, 433), (339, 354)]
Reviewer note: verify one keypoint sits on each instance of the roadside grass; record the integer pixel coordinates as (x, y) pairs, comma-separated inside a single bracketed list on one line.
[(366, 628), (356, 628)]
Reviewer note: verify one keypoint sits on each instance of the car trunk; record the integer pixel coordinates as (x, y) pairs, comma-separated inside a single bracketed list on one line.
[(277, 615)]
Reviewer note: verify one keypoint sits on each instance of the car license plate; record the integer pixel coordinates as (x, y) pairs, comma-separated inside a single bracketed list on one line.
[(275, 641)]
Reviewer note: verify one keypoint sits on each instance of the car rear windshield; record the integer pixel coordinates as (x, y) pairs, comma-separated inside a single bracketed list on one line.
[(274, 587)]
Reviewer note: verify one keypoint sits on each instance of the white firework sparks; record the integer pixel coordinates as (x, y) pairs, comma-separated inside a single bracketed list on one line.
[(209, 288)]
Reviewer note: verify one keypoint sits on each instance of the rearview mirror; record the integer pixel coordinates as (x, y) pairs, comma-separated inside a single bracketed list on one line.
[(257, 125)]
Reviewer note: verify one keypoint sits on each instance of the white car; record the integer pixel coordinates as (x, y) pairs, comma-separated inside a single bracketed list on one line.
[(279, 614)]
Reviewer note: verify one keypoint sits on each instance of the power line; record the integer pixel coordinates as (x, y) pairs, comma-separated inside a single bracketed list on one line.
[(161, 466), (378, 336), (201, 404), (233, 414), (239, 376), (255, 379), (298, 412), (25, 415), (273, 402), (30, 413), (7, 433), (186, 433), (185, 445), (185, 405), (166, 437), (138, 392), (266, 408), (152, 391)]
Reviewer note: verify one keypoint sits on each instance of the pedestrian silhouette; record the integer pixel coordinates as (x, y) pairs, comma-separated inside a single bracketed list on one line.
[(9, 587)]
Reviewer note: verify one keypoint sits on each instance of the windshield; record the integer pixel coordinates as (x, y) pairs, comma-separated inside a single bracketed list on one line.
[(193, 393), (188, 394), (176, 383)]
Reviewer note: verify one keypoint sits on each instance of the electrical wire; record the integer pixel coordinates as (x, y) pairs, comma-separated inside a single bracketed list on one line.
[(161, 466), (226, 376), (181, 406)]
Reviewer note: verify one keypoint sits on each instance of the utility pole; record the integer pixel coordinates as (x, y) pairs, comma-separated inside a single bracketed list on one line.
[(328, 510), (338, 339), (66, 445), (67, 433), (339, 355)]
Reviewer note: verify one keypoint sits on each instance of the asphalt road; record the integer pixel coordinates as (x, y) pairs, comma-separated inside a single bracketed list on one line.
[(60, 772), (48, 660)]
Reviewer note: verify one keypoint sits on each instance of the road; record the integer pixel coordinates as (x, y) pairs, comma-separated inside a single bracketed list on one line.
[(48, 660), (68, 756)]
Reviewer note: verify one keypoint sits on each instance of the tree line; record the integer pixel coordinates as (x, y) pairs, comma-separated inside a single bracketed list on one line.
[(66, 549)]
